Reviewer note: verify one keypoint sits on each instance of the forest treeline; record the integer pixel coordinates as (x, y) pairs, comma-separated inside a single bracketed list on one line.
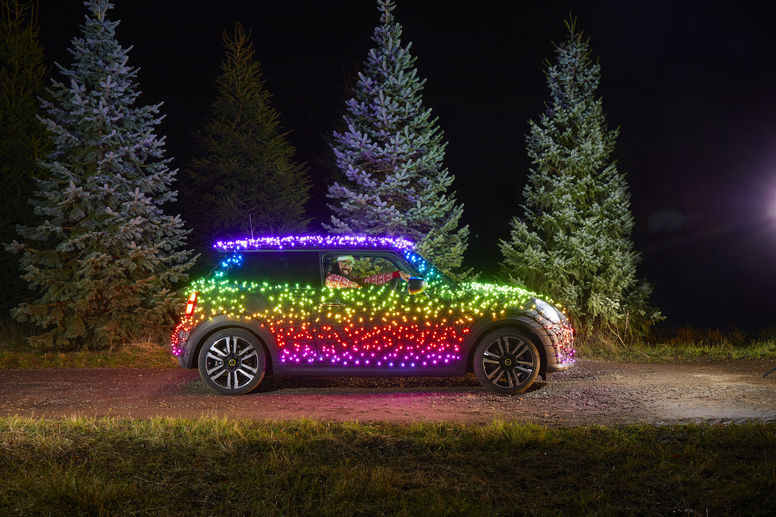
[(92, 255)]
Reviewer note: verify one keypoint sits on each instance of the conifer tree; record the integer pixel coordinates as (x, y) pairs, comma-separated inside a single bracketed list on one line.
[(23, 139), (390, 155), (245, 177), (105, 256), (574, 240)]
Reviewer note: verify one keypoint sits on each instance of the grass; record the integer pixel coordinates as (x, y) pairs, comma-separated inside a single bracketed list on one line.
[(140, 353), (686, 344), (214, 466)]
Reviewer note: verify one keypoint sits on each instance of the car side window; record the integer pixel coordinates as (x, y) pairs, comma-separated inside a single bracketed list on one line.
[(292, 267), (364, 265)]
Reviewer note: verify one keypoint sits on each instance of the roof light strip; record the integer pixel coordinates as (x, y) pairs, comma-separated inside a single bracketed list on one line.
[(314, 242)]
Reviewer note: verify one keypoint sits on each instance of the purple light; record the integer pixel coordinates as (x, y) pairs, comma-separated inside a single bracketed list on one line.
[(314, 242)]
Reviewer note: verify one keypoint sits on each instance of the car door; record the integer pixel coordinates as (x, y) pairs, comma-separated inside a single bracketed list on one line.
[(350, 321)]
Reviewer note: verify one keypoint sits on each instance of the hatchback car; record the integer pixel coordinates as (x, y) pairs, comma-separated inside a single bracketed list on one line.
[(352, 306)]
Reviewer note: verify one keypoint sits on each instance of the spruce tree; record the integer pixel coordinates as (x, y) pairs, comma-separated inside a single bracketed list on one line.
[(105, 257), (390, 155), (245, 173), (23, 139), (574, 240)]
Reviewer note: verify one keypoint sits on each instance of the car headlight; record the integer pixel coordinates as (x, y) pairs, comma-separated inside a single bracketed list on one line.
[(547, 310)]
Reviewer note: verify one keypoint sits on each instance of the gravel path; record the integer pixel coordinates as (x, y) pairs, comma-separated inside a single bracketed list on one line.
[(591, 393)]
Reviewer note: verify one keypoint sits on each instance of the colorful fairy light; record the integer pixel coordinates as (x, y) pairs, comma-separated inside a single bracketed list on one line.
[(315, 242), (366, 327), (431, 274)]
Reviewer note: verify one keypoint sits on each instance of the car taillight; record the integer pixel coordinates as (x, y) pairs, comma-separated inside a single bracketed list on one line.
[(191, 304)]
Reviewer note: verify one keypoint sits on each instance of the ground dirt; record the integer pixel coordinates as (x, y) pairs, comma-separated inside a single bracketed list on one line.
[(593, 392)]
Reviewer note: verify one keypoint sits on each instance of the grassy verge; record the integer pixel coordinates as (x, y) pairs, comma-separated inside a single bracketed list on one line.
[(208, 466), (127, 357), (16, 353), (686, 344)]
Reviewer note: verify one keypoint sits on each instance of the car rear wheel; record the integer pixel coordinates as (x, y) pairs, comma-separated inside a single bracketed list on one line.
[(506, 361), (232, 362)]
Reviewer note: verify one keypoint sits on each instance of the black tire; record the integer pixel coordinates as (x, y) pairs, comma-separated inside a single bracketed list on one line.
[(506, 361), (232, 361)]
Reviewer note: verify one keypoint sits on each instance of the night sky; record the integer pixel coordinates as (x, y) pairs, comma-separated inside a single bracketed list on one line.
[(692, 85)]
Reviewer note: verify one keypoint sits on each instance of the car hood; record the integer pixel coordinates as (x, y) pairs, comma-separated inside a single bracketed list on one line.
[(490, 297)]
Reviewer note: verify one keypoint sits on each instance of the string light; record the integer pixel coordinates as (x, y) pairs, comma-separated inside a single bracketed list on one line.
[(314, 242)]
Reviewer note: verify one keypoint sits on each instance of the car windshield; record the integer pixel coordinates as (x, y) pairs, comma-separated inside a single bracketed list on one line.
[(430, 272)]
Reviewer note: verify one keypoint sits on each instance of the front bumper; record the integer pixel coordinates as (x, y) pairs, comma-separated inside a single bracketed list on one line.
[(563, 347), (560, 351)]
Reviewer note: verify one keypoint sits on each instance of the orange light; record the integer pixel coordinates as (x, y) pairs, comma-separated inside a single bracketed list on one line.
[(191, 304)]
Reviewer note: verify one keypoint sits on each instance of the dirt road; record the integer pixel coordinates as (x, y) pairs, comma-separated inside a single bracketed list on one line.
[(591, 393)]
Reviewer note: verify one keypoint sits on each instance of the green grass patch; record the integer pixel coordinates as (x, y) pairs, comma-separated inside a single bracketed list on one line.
[(684, 344), (15, 352), (214, 466), (124, 358)]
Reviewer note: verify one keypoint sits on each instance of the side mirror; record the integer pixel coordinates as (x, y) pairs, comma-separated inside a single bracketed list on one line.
[(416, 285)]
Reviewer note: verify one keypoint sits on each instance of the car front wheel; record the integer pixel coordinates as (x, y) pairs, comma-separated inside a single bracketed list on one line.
[(506, 361), (232, 362)]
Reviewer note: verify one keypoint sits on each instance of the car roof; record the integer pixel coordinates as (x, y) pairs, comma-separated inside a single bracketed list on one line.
[(315, 243)]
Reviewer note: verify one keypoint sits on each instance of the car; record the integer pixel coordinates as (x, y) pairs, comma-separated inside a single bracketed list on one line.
[(282, 305)]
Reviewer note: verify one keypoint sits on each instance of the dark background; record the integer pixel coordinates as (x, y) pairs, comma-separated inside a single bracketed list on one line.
[(692, 85)]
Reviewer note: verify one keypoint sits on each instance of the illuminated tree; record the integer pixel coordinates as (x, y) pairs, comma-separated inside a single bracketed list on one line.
[(574, 240), (105, 257), (23, 139), (245, 177), (390, 155)]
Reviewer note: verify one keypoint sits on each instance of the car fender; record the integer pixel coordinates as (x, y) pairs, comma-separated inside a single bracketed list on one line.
[(208, 327), (524, 322)]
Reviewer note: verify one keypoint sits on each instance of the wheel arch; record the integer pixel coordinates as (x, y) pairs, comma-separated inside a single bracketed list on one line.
[(522, 323), (207, 328)]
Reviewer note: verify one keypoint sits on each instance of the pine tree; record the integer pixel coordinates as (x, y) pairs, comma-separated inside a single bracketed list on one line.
[(390, 155), (105, 257), (574, 241), (245, 174), (23, 139)]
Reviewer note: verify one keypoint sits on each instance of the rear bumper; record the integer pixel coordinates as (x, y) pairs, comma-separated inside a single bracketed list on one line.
[(179, 340)]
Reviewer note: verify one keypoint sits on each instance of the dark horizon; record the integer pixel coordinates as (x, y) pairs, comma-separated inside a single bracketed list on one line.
[(689, 85)]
